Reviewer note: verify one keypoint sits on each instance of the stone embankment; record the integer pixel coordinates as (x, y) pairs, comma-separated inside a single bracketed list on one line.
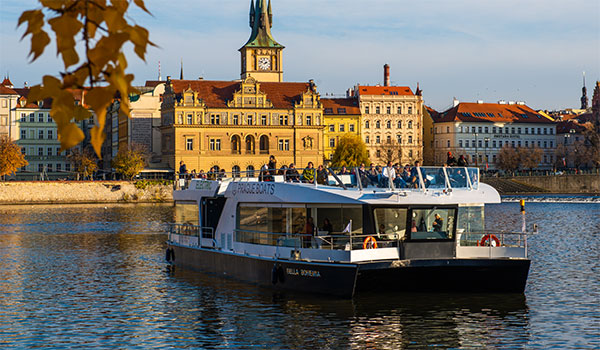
[(558, 184), (45, 192)]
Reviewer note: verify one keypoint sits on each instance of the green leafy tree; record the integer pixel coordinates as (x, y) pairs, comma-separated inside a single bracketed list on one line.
[(350, 151), (84, 163), (129, 162), (103, 30), (11, 157)]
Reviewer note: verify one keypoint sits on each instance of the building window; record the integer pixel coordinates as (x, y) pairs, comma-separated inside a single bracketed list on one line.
[(309, 120), (409, 124), (551, 143), (494, 143), (331, 128), (40, 151), (410, 110), (40, 117), (410, 139), (493, 130), (190, 118), (236, 144), (367, 124), (189, 144), (49, 151), (367, 140), (378, 139), (479, 143), (526, 143), (351, 128), (399, 138), (49, 167), (50, 134), (545, 131), (215, 119), (377, 110), (332, 142), (539, 131), (68, 167), (447, 130), (23, 117), (545, 144), (448, 143), (23, 134), (249, 119), (31, 117), (341, 110), (58, 167), (40, 167), (378, 125), (399, 124), (399, 109), (283, 120), (263, 144), (214, 144), (366, 109), (551, 131), (486, 129), (40, 134), (460, 143), (410, 153), (388, 124), (389, 110), (283, 145), (49, 119), (236, 119), (263, 120), (342, 128)]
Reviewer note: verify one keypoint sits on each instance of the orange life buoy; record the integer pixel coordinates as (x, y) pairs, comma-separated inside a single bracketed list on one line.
[(494, 241), (370, 243)]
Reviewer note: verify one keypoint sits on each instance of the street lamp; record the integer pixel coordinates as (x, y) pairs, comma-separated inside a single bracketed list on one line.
[(485, 144), (476, 151)]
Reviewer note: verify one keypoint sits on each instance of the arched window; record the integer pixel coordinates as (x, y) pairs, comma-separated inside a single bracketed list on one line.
[(399, 124), (235, 171), (410, 124), (250, 171), (236, 144), (367, 124), (388, 124), (378, 125), (264, 144), (250, 144)]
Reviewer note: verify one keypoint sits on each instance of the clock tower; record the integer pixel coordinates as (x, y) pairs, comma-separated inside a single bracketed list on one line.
[(261, 55)]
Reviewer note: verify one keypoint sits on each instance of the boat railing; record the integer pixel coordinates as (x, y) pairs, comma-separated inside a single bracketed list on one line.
[(201, 234), (333, 241), (396, 179), (494, 243)]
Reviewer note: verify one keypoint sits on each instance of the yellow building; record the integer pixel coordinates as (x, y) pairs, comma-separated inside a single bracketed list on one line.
[(236, 125), (340, 116)]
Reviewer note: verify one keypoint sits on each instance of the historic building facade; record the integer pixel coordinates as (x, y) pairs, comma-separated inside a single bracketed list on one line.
[(237, 125), (479, 130), (391, 115), (8, 103), (340, 117)]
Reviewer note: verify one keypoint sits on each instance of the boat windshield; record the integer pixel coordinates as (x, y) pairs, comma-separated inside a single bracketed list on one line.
[(432, 223)]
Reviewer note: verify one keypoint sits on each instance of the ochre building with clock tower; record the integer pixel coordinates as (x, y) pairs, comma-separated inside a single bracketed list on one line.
[(237, 125)]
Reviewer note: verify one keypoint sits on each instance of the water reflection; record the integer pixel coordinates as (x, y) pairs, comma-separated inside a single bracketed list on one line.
[(94, 276)]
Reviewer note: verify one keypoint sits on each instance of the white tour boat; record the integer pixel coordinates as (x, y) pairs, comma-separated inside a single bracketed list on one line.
[(349, 234)]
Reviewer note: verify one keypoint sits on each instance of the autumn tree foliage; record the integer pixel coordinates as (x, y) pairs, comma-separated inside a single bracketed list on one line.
[(351, 151), (389, 151), (508, 159), (11, 158), (530, 158), (84, 163), (99, 29), (129, 162)]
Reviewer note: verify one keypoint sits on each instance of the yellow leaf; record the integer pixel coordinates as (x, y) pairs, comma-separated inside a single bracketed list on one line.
[(66, 27), (114, 19), (120, 5), (39, 41), (37, 93), (99, 98), (140, 4), (97, 139), (70, 135), (54, 4), (80, 113)]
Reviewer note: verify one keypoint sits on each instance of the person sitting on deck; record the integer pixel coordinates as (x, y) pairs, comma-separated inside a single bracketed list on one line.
[(322, 175), (292, 174), (308, 175)]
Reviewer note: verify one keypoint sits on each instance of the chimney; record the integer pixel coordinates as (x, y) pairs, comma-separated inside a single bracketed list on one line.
[(511, 102), (455, 102), (502, 102), (349, 93), (479, 102), (386, 75)]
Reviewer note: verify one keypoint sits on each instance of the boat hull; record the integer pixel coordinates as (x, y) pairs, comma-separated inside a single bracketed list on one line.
[(344, 279), (445, 275)]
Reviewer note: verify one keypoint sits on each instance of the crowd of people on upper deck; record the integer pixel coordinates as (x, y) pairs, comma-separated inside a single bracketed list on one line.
[(375, 175)]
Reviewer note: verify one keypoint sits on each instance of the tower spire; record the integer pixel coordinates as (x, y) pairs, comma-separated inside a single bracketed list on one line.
[(252, 13), (270, 14), (584, 99), (181, 72)]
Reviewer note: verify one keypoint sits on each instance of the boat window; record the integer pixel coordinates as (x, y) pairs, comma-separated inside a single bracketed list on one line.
[(338, 220), (390, 223), (432, 223), (186, 213), (470, 219)]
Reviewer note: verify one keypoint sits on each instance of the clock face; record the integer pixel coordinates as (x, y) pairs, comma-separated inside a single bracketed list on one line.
[(264, 63)]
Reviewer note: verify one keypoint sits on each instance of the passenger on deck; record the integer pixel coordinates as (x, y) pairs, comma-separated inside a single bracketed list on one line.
[(308, 175), (344, 171), (283, 170), (388, 174), (451, 161), (327, 227), (462, 161), (222, 174), (363, 176), (264, 174), (182, 170), (292, 174), (309, 231), (373, 175), (272, 165), (211, 174), (413, 227), (322, 175)]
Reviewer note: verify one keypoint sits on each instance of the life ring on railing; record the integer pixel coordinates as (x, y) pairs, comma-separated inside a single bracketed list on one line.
[(494, 241), (370, 243)]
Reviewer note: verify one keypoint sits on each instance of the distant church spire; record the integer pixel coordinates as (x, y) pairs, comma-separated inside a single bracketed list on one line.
[(181, 72), (159, 76), (261, 21), (252, 13), (584, 99)]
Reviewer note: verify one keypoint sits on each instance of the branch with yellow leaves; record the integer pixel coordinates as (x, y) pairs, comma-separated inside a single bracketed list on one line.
[(104, 32)]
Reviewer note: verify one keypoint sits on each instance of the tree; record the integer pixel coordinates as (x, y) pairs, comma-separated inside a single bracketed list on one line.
[(129, 162), (560, 156), (84, 163), (351, 151), (389, 151), (104, 31), (11, 157), (508, 159), (530, 158)]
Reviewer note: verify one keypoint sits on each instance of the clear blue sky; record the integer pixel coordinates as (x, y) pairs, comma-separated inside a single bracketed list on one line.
[(531, 50)]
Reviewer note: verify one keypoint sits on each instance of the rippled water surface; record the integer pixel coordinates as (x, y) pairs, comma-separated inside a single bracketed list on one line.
[(92, 276)]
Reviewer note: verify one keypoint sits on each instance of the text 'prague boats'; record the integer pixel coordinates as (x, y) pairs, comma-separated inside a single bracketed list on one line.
[(348, 233)]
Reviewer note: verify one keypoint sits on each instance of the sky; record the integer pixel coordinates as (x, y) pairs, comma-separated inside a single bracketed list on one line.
[(522, 50)]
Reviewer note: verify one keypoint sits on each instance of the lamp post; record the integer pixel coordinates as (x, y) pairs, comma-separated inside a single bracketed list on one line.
[(476, 151), (485, 144)]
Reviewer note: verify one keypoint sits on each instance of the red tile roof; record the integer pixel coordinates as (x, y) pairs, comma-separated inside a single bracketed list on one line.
[(491, 112), (384, 90), (340, 106), (216, 93), (7, 91), (565, 127), (7, 82)]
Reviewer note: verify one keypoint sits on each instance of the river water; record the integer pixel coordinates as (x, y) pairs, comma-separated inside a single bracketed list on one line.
[(94, 276)]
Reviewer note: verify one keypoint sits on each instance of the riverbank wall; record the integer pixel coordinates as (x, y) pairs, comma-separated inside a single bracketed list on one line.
[(557, 184), (48, 192)]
